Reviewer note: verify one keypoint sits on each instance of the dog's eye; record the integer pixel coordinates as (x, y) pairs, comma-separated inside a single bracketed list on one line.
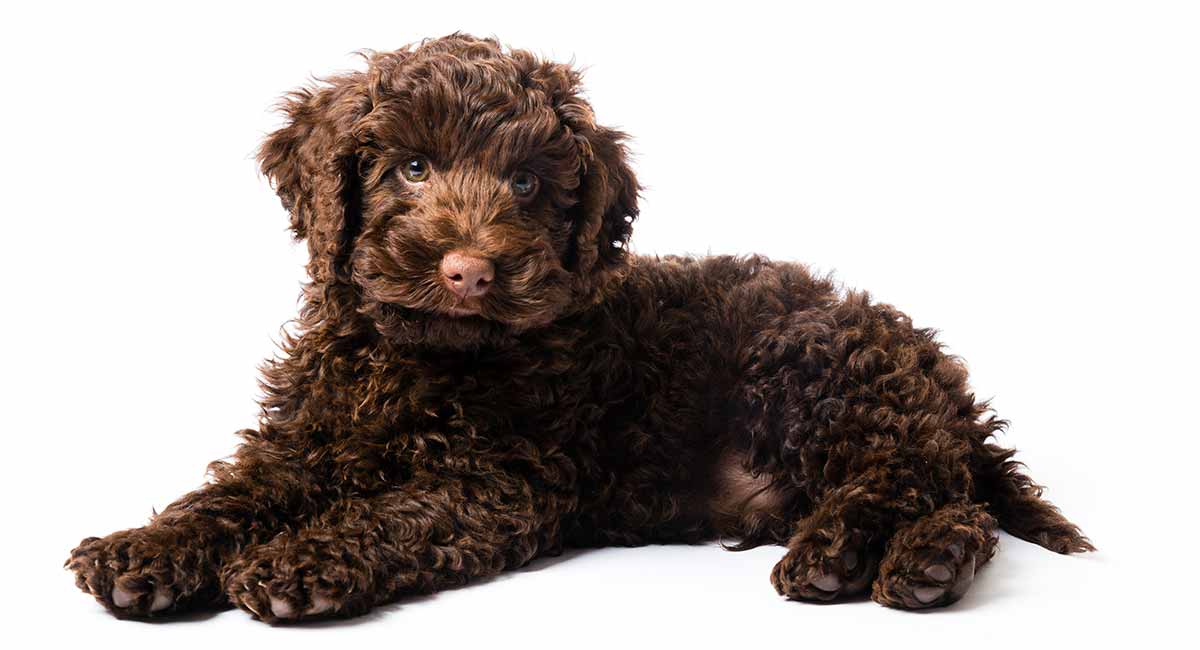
[(524, 184), (415, 170)]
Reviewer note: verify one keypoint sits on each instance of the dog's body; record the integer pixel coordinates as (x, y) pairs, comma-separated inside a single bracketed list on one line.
[(482, 374)]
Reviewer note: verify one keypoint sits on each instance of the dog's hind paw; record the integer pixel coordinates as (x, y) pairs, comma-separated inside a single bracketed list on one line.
[(813, 571), (932, 563), (926, 578)]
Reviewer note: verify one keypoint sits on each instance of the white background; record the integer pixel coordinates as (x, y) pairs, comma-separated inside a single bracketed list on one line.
[(1021, 175)]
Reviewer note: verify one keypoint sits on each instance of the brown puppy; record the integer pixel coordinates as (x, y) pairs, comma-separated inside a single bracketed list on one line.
[(482, 375)]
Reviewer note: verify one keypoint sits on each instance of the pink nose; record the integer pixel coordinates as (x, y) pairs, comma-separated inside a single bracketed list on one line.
[(467, 276)]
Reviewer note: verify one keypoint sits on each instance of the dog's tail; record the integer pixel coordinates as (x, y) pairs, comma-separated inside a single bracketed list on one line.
[(1017, 503)]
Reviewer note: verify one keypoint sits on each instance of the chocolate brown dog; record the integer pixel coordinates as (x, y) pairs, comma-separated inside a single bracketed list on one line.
[(482, 375)]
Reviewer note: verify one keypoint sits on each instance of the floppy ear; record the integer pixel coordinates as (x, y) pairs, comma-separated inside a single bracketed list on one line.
[(607, 202), (313, 166)]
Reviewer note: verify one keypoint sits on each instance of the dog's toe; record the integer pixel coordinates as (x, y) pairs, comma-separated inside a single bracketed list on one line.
[(163, 598), (281, 608), (927, 595), (121, 597), (826, 582), (320, 605), (938, 572)]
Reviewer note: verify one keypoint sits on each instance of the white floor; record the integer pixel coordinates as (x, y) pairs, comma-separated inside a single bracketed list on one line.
[(674, 596), (1020, 175)]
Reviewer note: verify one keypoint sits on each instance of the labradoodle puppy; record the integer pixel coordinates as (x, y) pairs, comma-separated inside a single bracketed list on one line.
[(481, 374)]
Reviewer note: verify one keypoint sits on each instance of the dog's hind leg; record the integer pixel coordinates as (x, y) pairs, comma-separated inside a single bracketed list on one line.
[(836, 550), (828, 556), (933, 561)]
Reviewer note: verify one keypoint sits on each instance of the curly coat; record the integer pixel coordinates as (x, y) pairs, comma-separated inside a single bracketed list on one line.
[(414, 438)]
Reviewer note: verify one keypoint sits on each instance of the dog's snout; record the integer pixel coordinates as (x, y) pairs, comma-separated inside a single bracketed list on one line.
[(467, 276)]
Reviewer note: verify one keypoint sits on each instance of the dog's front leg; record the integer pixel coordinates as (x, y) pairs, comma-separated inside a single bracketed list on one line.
[(428, 535), (173, 563)]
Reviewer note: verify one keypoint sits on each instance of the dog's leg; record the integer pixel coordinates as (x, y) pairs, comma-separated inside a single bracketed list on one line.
[(933, 561), (871, 420), (367, 551), (835, 550), (172, 563)]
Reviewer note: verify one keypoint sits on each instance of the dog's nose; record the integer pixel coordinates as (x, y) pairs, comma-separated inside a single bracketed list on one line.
[(466, 275)]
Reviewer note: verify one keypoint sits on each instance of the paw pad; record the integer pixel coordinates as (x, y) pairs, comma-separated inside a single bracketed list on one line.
[(162, 598), (927, 579)]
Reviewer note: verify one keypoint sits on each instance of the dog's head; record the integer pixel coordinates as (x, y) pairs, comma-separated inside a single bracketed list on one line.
[(461, 191)]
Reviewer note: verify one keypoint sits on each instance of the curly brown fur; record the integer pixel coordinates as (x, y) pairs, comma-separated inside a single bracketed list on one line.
[(415, 436)]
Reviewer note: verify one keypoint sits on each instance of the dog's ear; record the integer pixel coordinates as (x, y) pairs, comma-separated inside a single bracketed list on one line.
[(313, 166), (606, 198)]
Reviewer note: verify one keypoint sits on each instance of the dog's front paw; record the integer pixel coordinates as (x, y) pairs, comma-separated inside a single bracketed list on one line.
[(824, 570), (142, 571), (288, 580)]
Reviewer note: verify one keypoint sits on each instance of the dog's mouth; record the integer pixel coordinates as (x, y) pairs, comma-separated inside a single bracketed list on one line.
[(446, 304), (462, 310), (421, 308), (500, 308)]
